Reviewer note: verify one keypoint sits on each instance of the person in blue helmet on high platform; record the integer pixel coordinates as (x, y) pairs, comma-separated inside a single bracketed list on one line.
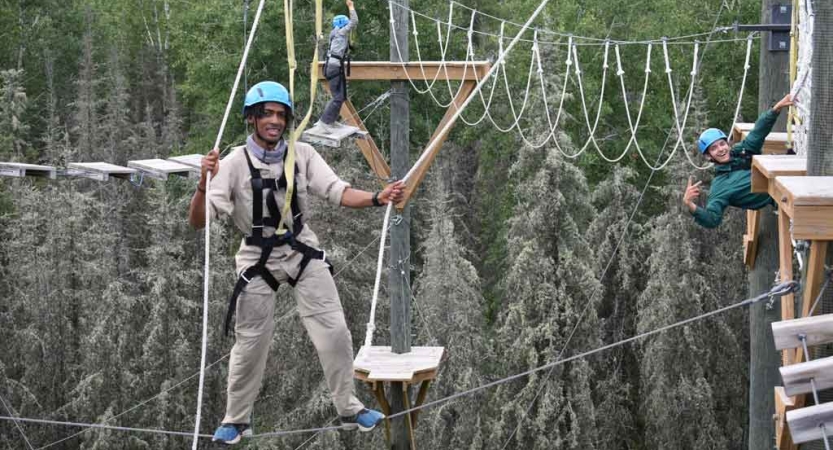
[(732, 181), (336, 67)]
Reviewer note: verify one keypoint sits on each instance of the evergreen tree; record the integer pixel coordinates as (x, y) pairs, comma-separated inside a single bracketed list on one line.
[(12, 127)]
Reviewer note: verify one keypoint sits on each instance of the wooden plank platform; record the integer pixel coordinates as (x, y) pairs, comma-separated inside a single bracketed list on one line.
[(808, 201), (775, 144), (161, 169), (381, 364), (817, 329), (19, 170), (797, 376), (99, 171), (317, 136), (193, 161), (426, 70), (766, 167), (804, 423)]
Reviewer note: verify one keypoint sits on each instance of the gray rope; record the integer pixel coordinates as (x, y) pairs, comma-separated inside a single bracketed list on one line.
[(16, 424), (104, 427), (777, 291), (140, 404)]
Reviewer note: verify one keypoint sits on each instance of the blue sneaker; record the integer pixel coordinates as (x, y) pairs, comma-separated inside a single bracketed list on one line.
[(230, 433), (365, 420)]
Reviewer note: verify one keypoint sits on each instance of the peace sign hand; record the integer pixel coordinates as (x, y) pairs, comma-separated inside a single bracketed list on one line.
[(692, 193)]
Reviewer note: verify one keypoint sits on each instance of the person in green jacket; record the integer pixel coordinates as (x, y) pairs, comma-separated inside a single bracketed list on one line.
[(732, 181)]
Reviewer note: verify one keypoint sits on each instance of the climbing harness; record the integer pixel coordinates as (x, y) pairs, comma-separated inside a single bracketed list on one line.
[(343, 65), (270, 187)]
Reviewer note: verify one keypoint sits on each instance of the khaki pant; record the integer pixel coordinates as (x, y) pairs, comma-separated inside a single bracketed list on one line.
[(326, 327)]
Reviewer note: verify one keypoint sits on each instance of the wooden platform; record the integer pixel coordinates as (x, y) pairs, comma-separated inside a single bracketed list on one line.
[(99, 171), (193, 161), (775, 144), (381, 364), (427, 70), (161, 169), (808, 201), (317, 136), (804, 422), (19, 170), (766, 167)]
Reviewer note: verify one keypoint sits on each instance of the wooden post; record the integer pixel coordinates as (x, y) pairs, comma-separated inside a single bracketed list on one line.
[(399, 280), (764, 360)]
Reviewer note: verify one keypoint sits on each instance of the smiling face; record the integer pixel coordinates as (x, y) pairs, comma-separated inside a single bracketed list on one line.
[(719, 151), (270, 125)]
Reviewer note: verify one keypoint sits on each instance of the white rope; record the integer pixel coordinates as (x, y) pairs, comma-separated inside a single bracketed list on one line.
[(746, 67), (592, 130), (458, 110), (207, 273), (572, 60), (371, 321), (553, 125), (633, 126)]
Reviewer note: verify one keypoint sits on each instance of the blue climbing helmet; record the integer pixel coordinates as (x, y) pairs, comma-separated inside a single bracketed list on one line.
[(708, 138), (340, 21), (267, 91)]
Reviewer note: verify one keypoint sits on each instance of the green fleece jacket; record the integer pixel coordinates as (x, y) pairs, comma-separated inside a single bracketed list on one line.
[(732, 183)]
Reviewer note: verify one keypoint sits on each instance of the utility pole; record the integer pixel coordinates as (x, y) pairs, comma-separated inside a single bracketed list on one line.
[(764, 360), (400, 242)]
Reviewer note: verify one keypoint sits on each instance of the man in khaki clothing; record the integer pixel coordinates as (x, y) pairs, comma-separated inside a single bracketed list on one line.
[(251, 188)]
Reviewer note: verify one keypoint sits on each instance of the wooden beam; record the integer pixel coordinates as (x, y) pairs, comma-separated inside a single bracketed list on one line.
[(817, 329), (439, 137), (797, 376), (804, 423), (821, 326), (785, 257), (783, 405), (750, 239), (427, 70), (368, 145)]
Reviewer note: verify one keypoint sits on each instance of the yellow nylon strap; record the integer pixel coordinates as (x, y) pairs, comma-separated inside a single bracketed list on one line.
[(295, 134)]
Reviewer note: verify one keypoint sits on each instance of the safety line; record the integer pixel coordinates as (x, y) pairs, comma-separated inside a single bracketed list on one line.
[(207, 273), (16, 423), (105, 427), (142, 403), (777, 291)]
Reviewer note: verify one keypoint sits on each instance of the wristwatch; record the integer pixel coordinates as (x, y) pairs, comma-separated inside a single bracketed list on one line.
[(375, 199)]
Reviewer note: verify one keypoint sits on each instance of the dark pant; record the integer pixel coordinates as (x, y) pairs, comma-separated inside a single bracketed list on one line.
[(338, 88)]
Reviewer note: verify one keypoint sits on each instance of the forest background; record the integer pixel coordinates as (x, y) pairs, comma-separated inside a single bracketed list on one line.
[(513, 247)]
